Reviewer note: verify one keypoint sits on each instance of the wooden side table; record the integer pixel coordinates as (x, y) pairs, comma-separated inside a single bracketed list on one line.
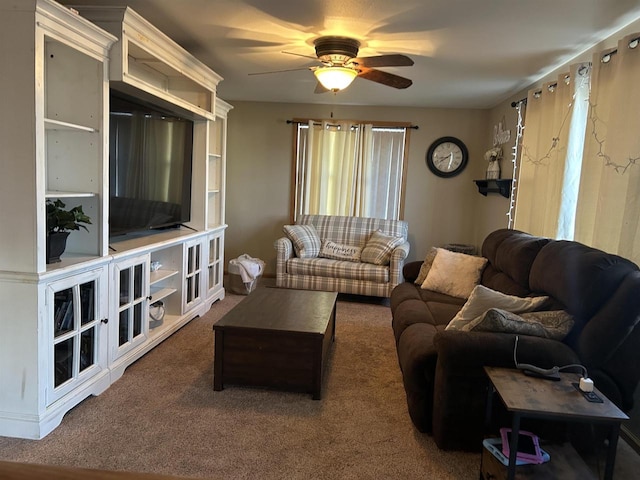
[(528, 397)]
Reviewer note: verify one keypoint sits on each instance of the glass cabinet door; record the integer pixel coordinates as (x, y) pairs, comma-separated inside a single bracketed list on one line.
[(76, 316), (215, 264), (193, 274), (132, 279)]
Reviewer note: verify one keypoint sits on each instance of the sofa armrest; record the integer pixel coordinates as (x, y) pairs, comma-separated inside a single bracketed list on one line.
[(460, 387), (396, 264), (411, 270), (467, 352), (284, 251)]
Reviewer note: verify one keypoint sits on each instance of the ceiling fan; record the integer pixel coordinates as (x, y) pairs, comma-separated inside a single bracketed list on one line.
[(341, 65)]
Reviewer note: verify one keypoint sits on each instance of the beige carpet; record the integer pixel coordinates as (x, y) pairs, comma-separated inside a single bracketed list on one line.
[(163, 416)]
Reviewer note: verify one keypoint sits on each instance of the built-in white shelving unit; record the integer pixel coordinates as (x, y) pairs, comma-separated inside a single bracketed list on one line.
[(76, 325)]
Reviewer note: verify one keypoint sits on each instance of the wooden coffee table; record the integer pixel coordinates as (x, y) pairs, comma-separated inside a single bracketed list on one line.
[(276, 338)]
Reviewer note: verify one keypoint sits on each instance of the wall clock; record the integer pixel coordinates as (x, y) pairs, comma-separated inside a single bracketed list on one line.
[(447, 157)]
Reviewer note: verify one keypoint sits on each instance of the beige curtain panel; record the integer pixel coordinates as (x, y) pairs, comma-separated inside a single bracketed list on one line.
[(609, 199), (579, 175)]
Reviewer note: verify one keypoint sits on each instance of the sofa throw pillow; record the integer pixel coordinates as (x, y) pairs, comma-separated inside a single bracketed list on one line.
[(554, 324), (379, 248), (306, 242), (454, 273), (338, 251), (483, 298), (426, 266)]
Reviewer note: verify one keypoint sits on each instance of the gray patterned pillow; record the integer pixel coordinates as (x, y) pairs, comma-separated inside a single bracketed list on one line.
[(554, 324), (306, 242), (379, 247)]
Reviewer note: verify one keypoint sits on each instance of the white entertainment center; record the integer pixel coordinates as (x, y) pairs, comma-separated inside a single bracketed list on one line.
[(70, 329)]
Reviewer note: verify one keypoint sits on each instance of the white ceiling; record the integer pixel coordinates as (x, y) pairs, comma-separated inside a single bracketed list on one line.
[(467, 53)]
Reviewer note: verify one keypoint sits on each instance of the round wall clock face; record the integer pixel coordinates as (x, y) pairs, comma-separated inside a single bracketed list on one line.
[(447, 157)]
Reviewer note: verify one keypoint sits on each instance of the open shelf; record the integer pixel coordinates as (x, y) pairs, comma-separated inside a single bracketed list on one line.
[(50, 124), (61, 194), (158, 294), (160, 275), (500, 185)]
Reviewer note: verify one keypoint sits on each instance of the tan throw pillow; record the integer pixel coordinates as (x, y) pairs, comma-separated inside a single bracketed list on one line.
[(454, 274), (483, 298), (379, 248), (338, 251), (306, 242), (426, 266), (554, 324)]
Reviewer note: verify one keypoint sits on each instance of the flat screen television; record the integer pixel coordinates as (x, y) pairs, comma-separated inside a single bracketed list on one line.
[(150, 161)]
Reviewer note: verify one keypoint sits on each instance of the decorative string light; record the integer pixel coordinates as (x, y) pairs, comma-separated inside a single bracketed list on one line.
[(514, 159)]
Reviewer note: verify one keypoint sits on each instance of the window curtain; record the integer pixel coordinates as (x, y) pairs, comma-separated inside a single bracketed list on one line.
[(349, 169), (550, 157), (332, 166), (383, 150), (609, 200)]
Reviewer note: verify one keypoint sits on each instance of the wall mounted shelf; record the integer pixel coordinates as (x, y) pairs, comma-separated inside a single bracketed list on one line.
[(501, 186)]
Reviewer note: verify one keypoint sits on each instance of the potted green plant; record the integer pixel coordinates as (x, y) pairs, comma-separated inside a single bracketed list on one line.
[(60, 222)]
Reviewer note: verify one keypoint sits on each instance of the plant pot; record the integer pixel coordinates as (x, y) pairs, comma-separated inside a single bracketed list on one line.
[(56, 243)]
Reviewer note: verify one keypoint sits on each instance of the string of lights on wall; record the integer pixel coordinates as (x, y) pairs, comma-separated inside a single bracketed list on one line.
[(514, 161)]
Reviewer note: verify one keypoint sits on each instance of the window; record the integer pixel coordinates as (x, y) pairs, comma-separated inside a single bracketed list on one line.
[(348, 168)]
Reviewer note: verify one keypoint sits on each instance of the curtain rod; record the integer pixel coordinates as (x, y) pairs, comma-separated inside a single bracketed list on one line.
[(515, 104), (414, 127)]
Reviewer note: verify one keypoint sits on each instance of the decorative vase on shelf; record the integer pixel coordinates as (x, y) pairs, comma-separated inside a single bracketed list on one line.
[(493, 156), (493, 170)]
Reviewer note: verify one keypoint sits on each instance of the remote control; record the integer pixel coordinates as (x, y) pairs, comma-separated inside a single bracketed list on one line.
[(590, 396)]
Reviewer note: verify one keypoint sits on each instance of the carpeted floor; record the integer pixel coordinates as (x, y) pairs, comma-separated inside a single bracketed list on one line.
[(163, 416)]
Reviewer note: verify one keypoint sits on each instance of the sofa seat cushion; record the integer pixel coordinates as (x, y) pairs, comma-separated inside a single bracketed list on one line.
[(324, 267), (410, 305)]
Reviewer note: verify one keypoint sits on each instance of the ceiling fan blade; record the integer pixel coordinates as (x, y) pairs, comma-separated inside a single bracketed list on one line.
[(385, 78), (393, 60), (279, 71), (301, 55), (320, 88)]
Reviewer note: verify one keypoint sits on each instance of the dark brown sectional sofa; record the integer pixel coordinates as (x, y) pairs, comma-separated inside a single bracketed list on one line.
[(443, 370)]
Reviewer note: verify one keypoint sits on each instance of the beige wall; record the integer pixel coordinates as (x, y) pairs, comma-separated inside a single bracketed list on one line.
[(438, 210)]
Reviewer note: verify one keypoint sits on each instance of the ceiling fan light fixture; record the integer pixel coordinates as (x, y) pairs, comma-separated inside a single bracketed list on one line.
[(335, 78)]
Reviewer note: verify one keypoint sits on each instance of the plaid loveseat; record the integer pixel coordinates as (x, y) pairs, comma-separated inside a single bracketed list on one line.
[(339, 275)]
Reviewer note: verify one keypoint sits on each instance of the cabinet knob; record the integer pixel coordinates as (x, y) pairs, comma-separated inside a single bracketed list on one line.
[(105, 320), (150, 297)]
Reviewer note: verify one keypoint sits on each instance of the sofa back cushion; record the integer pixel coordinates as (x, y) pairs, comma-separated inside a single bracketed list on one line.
[(511, 254), (581, 278), (353, 230)]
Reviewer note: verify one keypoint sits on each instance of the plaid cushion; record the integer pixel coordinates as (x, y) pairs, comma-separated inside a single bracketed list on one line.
[(324, 267), (353, 230), (379, 247), (305, 240)]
